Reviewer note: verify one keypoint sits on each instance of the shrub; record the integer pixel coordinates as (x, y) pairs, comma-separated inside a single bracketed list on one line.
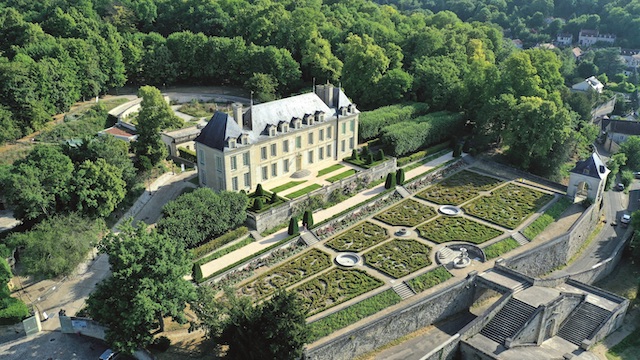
[(372, 122), (307, 219), (400, 176), (226, 250), (197, 272), (293, 226), (473, 152), (355, 155), (259, 190), (370, 159), (162, 343), (380, 154), (274, 198), (457, 151), (627, 178), (218, 242), (12, 311), (257, 204), (494, 250), (466, 147), (429, 279), (389, 182), (365, 151)]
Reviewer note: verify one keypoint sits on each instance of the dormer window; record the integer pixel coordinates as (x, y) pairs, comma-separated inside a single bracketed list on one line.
[(319, 116), (244, 139), (271, 129), (232, 143), (343, 110), (351, 108), (296, 123), (308, 119), (284, 127)]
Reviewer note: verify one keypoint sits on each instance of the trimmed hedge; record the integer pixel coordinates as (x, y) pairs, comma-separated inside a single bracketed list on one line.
[(353, 314), (187, 154), (226, 250), (459, 188), (334, 287), (550, 216), (445, 228), (399, 257), (402, 161), (210, 246), (409, 136), (407, 213), (429, 279), (372, 122), (359, 237)]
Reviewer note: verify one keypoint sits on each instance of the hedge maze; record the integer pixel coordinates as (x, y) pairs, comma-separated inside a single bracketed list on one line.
[(358, 238), (407, 213), (399, 257), (459, 188), (444, 229)]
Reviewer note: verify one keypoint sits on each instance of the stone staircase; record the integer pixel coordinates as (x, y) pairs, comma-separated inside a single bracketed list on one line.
[(445, 255), (521, 239), (309, 238), (402, 191), (508, 321), (403, 290), (583, 322)]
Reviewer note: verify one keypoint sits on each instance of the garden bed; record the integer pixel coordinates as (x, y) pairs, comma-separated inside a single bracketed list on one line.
[(399, 257), (266, 201), (552, 214), (358, 238), (503, 246), (445, 228), (352, 314), (335, 287), (303, 266), (429, 279), (407, 213), (458, 188), (508, 206)]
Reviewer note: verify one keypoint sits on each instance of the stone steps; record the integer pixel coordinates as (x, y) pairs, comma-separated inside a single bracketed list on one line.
[(309, 238), (521, 239), (583, 322), (403, 290), (508, 321), (445, 255)]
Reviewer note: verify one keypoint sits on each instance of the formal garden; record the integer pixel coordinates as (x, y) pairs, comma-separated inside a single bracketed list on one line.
[(359, 237), (335, 287), (445, 228), (407, 213), (399, 257), (309, 263), (509, 205), (458, 188)]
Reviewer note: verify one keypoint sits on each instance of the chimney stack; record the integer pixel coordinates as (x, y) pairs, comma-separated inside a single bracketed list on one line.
[(237, 113)]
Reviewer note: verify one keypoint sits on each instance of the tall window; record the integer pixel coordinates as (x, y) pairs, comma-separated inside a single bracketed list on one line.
[(219, 164), (274, 170), (352, 125), (310, 138), (234, 183), (321, 153), (234, 163), (351, 143), (263, 153), (329, 131), (285, 165), (247, 180), (321, 135), (273, 149), (265, 173), (344, 128), (285, 146), (201, 157), (342, 147), (329, 150), (311, 157), (245, 159), (298, 142)]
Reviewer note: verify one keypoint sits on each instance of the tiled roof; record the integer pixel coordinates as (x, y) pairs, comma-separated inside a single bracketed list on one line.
[(592, 167)]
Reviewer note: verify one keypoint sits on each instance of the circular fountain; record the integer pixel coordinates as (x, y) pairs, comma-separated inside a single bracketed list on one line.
[(450, 210), (348, 259), (403, 232), (462, 260)]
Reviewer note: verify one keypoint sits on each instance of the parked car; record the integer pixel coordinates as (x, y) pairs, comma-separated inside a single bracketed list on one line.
[(636, 174), (625, 219), (108, 355), (620, 187)]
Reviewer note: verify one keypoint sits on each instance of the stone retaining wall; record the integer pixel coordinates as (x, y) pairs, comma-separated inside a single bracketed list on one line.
[(281, 214)]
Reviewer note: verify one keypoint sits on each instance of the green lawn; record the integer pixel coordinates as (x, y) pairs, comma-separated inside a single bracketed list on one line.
[(341, 176), (287, 186), (551, 215), (429, 279), (627, 349), (331, 168), (303, 191), (494, 250)]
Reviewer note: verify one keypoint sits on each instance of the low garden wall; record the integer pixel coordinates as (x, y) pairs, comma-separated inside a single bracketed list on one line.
[(281, 214), (433, 308)]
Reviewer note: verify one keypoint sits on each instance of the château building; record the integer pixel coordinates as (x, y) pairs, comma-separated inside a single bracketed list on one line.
[(275, 140)]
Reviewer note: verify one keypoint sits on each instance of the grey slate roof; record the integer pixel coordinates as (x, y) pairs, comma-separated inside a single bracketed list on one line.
[(592, 167), (624, 127), (258, 117)]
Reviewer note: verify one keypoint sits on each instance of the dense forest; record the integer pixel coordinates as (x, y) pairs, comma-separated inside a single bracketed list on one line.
[(57, 52)]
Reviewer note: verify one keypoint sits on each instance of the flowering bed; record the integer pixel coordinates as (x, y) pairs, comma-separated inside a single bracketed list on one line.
[(399, 257), (325, 231), (445, 228), (459, 188), (358, 238), (508, 206), (305, 265), (335, 287), (407, 213)]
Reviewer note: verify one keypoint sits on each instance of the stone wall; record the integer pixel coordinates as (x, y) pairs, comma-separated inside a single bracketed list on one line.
[(446, 351), (557, 252), (436, 307), (281, 214), (82, 326)]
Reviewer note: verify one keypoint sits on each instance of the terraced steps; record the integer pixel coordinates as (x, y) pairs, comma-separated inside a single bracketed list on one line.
[(583, 322), (309, 238), (508, 321), (521, 239), (403, 290)]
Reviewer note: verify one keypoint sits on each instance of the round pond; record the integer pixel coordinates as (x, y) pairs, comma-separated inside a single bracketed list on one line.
[(348, 259), (450, 210)]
